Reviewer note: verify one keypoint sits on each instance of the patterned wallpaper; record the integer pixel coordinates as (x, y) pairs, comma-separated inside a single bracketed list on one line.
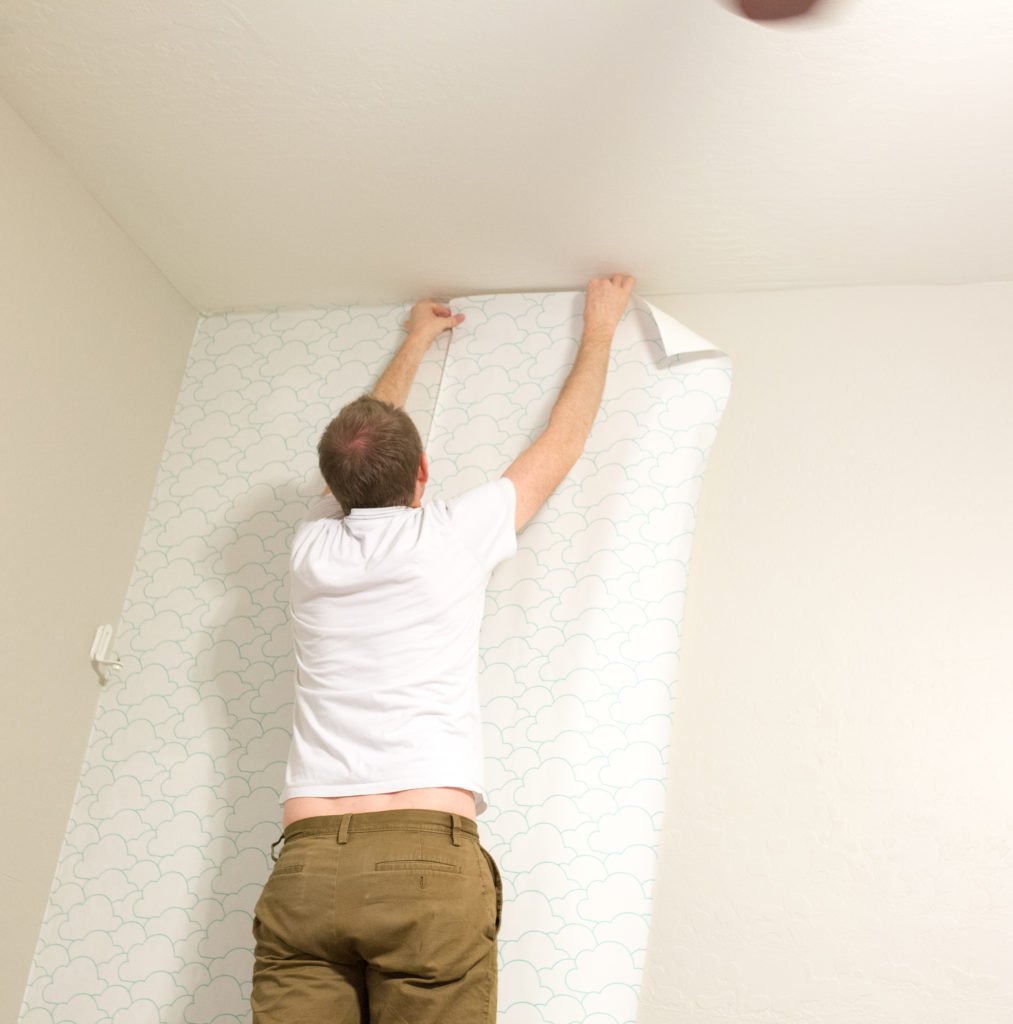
[(167, 844)]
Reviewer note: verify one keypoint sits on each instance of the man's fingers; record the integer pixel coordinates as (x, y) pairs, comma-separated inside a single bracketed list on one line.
[(607, 298), (624, 281), (429, 311), (448, 313)]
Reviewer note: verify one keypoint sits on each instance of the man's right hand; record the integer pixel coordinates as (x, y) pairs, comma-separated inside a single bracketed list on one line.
[(605, 302), (543, 465)]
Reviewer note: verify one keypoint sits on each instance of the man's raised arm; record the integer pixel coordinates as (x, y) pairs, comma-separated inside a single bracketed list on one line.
[(543, 466), (427, 320)]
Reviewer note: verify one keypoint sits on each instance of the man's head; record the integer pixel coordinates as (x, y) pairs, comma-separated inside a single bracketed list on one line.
[(371, 456)]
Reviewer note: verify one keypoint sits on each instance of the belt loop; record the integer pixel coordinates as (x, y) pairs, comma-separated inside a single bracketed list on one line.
[(455, 824), (274, 844), (343, 828)]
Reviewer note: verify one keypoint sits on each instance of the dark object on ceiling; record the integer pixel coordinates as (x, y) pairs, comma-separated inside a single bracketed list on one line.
[(774, 10)]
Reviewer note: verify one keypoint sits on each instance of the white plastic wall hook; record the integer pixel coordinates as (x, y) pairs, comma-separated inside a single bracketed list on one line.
[(100, 661)]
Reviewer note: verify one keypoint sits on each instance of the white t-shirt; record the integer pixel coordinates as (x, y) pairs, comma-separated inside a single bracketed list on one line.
[(386, 606)]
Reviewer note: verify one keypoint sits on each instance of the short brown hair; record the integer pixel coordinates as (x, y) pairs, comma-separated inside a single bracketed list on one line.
[(370, 455)]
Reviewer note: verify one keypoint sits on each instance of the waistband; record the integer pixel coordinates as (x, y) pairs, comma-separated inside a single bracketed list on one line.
[(375, 821)]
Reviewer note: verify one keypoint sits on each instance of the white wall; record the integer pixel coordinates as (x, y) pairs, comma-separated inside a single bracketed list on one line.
[(94, 344), (838, 835)]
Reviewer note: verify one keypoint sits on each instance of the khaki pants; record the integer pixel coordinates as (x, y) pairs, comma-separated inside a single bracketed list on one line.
[(381, 917)]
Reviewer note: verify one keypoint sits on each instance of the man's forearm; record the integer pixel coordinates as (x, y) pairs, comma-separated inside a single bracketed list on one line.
[(544, 464), (396, 381), (575, 410)]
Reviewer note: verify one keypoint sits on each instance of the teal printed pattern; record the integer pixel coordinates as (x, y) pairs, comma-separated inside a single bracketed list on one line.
[(167, 844)]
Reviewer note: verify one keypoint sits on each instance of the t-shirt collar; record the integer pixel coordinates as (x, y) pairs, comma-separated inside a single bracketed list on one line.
[(376, 513)]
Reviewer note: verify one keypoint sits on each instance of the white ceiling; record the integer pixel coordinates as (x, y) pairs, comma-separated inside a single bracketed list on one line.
[(331, 151)]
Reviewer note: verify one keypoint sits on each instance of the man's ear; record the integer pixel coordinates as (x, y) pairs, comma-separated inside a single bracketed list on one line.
[(423, 476)]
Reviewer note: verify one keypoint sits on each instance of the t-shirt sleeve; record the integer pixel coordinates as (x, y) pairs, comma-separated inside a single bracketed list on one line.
[(484, 520)]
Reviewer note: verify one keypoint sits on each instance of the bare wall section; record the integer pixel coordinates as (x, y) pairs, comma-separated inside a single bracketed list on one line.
[(94, 345), (837, 843)]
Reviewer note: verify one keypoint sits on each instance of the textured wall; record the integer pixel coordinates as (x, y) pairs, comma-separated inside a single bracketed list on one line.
[(166, 849), (462, 146)]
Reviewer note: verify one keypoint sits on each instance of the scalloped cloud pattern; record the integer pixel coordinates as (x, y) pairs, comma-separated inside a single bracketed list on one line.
[(167, 846)]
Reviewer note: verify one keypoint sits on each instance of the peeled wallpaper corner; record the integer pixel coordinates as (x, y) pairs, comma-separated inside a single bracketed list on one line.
[(676, 338)]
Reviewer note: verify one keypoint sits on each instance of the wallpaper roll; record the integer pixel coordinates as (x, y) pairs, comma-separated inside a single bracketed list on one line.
[(581, 635), (167, 844)]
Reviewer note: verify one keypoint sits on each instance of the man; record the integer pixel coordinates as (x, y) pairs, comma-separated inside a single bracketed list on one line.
[(383, 905)]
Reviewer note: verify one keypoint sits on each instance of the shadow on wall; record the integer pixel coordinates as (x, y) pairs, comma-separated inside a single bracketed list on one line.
[(248, 700)]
